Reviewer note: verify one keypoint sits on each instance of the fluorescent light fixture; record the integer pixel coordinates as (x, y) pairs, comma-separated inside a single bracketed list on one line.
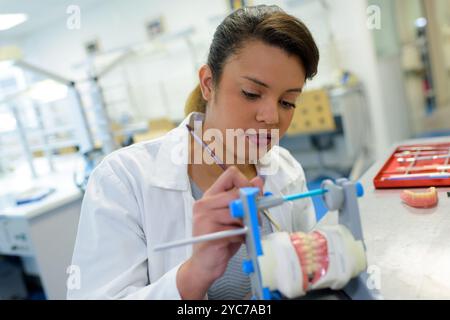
[(10, 20), (421, 22), (7, 122), (47, 91), (6, 64)]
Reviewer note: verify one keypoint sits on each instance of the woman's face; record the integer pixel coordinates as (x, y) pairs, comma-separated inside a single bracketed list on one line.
[(257, 90)]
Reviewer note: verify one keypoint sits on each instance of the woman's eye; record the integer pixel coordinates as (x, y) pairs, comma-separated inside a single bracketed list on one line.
[(250, 95), (287, 105)]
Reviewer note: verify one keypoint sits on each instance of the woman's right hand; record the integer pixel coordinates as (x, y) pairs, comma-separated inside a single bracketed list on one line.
[(211, 214)]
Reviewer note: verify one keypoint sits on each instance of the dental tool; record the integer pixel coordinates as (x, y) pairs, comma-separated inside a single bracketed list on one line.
[(413, 176), (211, 152), (414, 159), (208, 237), (422, 153), (424, 148), (416, 169)]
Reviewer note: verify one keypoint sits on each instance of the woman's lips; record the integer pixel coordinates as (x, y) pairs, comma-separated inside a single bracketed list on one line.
[(260, 140)]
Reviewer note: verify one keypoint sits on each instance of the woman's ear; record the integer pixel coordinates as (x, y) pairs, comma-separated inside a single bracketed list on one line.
[(206, 82)]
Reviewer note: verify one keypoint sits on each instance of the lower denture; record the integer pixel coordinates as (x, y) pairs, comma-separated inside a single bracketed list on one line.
[(426, 199)]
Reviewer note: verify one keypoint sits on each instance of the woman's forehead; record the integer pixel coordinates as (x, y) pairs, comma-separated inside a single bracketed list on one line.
[(266, 63)]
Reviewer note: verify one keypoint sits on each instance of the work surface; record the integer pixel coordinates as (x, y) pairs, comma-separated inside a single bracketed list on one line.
[(408, 248), (61, 180)]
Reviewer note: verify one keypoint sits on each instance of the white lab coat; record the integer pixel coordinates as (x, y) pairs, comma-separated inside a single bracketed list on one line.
[(137, 198)]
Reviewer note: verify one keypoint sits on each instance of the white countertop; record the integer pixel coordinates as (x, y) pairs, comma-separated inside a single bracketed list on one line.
[(61, 180), (411, 247)]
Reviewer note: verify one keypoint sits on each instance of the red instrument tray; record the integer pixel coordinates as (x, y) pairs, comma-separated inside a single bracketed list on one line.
[(419, 165)]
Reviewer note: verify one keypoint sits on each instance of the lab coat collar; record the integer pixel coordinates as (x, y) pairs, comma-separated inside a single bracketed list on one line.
[(170, 170)]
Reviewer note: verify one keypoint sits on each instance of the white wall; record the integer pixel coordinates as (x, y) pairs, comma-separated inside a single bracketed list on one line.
[(120, 23), (389, 56), (116, 24), (357, 51)]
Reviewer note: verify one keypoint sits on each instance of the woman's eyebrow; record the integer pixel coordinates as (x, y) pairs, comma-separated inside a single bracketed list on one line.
[(299, 90), (258, 82)]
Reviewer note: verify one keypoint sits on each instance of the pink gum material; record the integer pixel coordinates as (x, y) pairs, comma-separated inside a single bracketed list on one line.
[(429, 201), (320, 256)]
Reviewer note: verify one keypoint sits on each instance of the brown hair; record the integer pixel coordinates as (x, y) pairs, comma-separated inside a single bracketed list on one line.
[(269, 24)]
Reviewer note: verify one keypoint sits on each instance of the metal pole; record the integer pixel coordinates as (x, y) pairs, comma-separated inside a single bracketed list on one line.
[(84, 131), (44, 135), (48, 74), (23, 137)]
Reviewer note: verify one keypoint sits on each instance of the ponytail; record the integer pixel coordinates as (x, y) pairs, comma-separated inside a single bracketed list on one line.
[(195, 102)]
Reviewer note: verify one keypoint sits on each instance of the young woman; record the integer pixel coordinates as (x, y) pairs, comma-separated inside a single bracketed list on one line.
[(143, 196)]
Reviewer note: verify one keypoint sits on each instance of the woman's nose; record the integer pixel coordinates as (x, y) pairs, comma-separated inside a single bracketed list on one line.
[(268, 114)]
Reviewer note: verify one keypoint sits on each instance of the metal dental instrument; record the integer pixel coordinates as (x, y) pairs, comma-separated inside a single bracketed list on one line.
[(211, 152), (418, 169), (418, 176), (207, 237), (422, 158)]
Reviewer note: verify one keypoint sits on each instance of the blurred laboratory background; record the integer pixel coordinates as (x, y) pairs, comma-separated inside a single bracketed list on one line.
[(82, 78)]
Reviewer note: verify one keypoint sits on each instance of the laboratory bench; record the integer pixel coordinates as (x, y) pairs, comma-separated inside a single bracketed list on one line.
[(43, 233)]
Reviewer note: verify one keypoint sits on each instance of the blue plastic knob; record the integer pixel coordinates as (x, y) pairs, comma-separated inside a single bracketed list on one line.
[(266, 294), (247, 266), (236, 209), (359, 189)]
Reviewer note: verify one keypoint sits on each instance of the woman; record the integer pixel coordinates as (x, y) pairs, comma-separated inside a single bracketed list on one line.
[(142, 196)]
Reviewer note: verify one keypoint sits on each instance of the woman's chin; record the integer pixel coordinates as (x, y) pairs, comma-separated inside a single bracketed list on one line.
[(252, 155)]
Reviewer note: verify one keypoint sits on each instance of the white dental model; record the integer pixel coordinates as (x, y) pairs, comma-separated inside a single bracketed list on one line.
[(298, 262)]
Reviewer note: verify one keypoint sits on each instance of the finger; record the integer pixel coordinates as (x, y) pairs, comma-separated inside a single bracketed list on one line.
[(224, 218), (219, 218), (258, 182), (231, 178), (220, 200)]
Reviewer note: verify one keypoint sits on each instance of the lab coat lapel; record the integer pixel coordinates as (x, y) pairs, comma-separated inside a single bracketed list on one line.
[(170, 171), (278, 176)]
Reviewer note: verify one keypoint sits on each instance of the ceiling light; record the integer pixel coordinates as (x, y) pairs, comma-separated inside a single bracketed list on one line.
[(47, 91), (10, 20)]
